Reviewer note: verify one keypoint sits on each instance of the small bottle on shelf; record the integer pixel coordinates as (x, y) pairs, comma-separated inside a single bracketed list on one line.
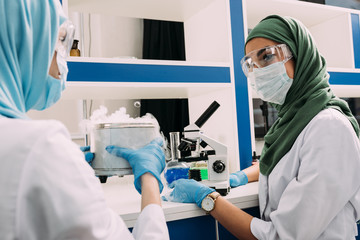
[(75, 51)]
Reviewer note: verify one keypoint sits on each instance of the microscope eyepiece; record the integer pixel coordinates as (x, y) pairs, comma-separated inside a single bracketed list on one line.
[(207, 114)]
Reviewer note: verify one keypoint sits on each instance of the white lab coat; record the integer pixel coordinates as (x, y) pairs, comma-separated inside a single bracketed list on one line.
[(48, 191), (313, 192)]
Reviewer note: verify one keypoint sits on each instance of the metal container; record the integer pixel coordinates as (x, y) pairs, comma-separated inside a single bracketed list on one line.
[(174, 144), (127, 135)]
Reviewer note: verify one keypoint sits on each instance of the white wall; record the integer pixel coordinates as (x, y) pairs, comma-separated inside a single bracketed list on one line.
[(221, 126), (70, 113), (207, 34), (108, 36)]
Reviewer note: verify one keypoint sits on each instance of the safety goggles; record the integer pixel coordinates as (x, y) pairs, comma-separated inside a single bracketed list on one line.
[(65, 38), (264, 57)]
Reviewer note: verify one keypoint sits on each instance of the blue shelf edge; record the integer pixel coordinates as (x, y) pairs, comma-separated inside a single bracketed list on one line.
[(344, 78), (355, 23), (123, 72)]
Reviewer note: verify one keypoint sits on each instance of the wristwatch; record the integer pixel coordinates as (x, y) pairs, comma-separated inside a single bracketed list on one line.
[(208, 203)]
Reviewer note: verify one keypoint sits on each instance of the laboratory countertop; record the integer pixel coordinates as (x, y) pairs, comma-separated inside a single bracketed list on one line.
[(122, 197)]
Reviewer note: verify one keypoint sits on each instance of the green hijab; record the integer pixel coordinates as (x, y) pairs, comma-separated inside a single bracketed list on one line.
[(309, 94)]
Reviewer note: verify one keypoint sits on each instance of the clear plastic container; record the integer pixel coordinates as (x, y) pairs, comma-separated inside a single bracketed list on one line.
[(128, 135), (175, 170)]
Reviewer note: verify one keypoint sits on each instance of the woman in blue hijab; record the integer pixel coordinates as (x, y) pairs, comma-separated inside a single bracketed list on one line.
[(28, 38), (47, 190)]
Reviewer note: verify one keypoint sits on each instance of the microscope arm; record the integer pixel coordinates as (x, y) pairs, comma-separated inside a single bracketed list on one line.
[(219, 148)]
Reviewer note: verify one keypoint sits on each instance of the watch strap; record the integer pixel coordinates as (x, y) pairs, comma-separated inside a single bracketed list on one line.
[(214, 195)]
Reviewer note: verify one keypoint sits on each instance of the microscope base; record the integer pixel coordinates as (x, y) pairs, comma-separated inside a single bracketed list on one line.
[(221, 187), (222, 191)]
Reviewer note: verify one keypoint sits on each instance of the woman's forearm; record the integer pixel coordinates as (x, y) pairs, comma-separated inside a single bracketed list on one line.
[(150, 193), (252, 172), (232, 218)]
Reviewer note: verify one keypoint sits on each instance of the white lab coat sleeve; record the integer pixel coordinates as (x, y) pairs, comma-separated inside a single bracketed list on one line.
[(327, 179), (147, 228), (60, 197)]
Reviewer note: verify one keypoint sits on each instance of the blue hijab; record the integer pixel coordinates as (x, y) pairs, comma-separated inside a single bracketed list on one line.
[(28, 33)]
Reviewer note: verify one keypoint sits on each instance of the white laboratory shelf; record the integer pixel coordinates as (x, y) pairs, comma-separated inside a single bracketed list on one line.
[(113, 28), (330, 26), (344, 70), (122, 197), (345, 82), (115, 78), (128, 60), (179, 10), (346, 91), (120, 90), (309, 13)]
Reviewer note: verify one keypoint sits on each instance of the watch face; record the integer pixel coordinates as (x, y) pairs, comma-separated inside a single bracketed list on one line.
[(207, 204)]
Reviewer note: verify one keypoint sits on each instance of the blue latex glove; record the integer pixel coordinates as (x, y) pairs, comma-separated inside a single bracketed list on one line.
[(89, 156), (187, 191), (150, 158), (237, 179)]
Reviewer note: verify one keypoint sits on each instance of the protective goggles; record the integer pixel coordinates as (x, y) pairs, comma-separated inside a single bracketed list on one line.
[(265, 56), (65, 38)]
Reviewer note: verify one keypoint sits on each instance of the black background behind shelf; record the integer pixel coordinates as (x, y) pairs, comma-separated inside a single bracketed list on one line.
[(315, 1), (172, 114), (259, 123), (164, 40)]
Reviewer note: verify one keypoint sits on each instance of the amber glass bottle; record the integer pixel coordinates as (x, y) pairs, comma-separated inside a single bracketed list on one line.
[(75, 51)]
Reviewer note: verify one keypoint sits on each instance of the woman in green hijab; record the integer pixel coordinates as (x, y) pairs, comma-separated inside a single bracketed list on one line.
[(309, 186)]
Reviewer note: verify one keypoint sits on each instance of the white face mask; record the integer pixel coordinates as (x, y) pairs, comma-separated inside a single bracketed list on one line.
[(271, 83), (62, 47), (63, 68)]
